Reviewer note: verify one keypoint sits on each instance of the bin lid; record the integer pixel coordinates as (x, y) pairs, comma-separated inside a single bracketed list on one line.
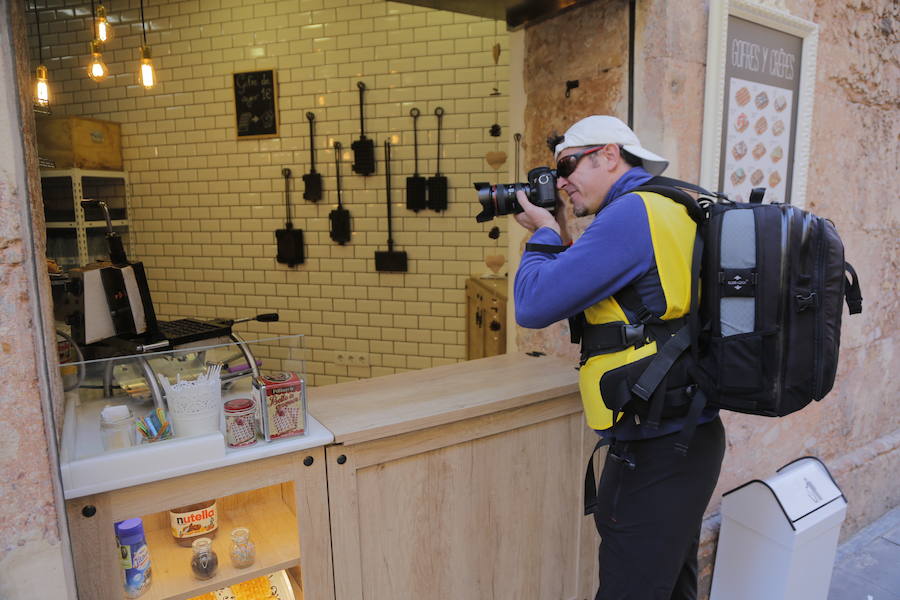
[(801, 487)]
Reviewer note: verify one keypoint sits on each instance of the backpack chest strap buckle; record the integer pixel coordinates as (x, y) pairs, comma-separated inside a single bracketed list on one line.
[(609, 338), (633, 335)]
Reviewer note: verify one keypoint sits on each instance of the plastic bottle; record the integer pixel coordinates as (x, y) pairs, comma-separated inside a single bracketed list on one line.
[(135, 556)]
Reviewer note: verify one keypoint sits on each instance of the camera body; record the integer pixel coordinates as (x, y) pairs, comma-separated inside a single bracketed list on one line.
[(500, 199)]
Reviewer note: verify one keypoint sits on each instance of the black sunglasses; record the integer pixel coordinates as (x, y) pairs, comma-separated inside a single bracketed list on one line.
[(567, 164)]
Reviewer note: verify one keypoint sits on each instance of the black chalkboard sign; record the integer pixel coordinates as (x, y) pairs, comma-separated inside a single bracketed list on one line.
[(255, 104)]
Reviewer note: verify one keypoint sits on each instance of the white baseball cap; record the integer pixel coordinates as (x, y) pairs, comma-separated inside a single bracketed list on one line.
[(603, 129)]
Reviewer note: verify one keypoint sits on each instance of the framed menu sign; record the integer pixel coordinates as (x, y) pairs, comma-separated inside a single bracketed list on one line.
[(761, 65), (256, 104)]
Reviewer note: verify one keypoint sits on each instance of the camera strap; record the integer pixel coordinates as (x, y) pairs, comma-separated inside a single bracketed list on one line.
[(548, 248)]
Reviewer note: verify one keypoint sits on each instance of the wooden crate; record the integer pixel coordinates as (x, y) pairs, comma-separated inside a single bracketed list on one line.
[(81, 143)]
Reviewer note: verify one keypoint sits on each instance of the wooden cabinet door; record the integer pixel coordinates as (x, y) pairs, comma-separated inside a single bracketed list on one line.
[(298, 541), (488, 507)]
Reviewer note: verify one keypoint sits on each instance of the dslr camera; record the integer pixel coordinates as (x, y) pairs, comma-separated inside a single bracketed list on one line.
[(501, 199)]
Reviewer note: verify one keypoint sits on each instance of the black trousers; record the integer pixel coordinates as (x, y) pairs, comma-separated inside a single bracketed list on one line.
[(651, 501)]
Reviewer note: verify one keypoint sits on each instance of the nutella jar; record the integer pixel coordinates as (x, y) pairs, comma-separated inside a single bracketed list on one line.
[(193, 521)]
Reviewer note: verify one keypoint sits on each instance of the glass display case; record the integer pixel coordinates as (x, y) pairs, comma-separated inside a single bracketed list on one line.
[(205, 440), (200, 402)]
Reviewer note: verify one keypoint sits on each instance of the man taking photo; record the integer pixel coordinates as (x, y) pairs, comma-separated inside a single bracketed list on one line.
[(625, 285)]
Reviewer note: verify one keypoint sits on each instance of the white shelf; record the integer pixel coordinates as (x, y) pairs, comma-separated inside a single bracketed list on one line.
[(45, 172), (115, 223), (87, 224), (79, 225)]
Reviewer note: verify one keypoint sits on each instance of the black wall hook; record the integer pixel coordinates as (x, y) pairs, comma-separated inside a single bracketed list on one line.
[(571, 85)]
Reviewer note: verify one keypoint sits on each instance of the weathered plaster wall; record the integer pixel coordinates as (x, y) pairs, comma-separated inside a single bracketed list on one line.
[(852, 180), (32, 547), (589, 44)]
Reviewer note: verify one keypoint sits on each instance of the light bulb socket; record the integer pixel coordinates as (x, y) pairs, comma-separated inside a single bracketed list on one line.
[(145, 52), (95, 47), (42, 72)]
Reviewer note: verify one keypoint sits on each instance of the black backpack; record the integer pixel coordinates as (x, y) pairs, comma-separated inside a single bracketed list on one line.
[(765, 337)]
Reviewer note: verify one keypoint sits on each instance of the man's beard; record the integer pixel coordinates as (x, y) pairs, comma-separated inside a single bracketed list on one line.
[(580, 211)]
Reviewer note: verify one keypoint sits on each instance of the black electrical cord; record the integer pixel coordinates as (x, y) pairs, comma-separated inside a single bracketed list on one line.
[(94, 31), (632, 10), (143, 23), (37, 18)]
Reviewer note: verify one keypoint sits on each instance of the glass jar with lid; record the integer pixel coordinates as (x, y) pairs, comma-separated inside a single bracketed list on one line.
[(243, 550), (205, 561), (240, 422)]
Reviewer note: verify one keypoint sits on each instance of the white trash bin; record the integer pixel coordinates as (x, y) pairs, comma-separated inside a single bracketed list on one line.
[(779, 536)]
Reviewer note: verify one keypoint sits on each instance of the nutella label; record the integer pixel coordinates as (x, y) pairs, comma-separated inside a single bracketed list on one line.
[(194, 523)]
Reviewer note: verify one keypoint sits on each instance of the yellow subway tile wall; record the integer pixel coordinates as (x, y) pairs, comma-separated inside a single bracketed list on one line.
[(205, 205)]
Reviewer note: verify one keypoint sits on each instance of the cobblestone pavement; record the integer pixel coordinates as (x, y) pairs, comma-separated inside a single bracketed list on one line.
[(868, 564)]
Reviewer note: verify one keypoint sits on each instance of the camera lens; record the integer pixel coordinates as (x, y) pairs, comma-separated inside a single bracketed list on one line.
[(500, 199), (497, 200)]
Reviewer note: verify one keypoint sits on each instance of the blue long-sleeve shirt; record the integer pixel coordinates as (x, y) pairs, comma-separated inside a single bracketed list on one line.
[(614, 251)]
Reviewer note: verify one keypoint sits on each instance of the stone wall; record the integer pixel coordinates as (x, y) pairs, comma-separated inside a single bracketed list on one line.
[(32, 546), (852, 180)]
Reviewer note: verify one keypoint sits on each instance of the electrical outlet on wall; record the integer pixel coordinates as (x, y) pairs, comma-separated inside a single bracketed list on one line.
[(351, 359)]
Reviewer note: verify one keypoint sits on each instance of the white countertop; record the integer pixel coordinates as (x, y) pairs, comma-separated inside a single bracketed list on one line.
[(87, 469)]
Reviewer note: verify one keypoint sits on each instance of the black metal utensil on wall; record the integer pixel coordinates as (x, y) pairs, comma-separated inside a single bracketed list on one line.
[(312, 181), (339, 218), (416, 188), (289, 240), (437, 185), (363, 148), (389, 260)]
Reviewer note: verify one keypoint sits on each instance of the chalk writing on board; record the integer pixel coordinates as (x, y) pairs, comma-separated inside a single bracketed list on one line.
[(255, 104)]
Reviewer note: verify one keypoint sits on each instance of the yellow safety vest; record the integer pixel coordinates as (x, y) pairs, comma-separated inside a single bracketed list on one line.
[(672, 234)]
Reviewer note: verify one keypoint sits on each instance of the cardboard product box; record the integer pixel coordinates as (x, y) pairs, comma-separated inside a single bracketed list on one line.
[(80, 143), (281, 399)]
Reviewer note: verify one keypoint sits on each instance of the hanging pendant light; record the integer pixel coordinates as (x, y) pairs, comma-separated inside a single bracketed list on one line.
[(97, 69), (41, 85), (42, 89), (147, 75), (104, 29)]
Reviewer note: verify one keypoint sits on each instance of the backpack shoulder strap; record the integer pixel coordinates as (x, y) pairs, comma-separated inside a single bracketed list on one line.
[(673, 189)]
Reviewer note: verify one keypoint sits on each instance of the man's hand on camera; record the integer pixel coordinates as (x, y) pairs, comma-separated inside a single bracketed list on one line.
[(534, 217)]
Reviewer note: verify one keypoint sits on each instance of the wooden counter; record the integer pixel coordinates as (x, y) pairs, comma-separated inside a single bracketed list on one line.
[(369, 409), (462, 481)]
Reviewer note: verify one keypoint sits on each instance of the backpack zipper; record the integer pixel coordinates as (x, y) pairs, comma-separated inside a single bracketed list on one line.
[(786, 213), (818, 286)]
